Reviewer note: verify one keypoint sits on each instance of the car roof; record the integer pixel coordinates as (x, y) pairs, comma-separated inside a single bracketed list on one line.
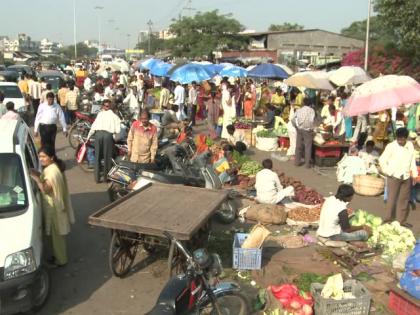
[(18, 66), (51, 73), (11, 131)]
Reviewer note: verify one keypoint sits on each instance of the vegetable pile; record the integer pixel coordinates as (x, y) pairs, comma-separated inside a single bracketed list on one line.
[(364, 218), (394, 239), (293, 302), (304, 281), (250, 168), (303, 194), (304, 214), (243, 124), (246, 182), (266, 134), (240, 159)]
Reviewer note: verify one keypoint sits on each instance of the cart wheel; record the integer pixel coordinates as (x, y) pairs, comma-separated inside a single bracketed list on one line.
[(122, 252)]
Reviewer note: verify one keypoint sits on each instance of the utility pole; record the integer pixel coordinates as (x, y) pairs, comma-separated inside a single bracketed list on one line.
[(367, 34), (189, 7), (99, 8), (128, 41), (74, 29), (149, 23)]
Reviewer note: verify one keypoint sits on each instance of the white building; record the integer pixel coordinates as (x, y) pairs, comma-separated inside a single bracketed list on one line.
[(166, 34), (47, 47)]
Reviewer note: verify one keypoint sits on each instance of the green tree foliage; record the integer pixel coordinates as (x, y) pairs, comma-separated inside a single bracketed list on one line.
[(83, 51), (285, 27), (402, 17), (378, 30), (204, 33), (156, 44)]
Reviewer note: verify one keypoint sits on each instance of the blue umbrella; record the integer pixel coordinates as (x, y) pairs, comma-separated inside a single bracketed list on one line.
[(160, 69), (148, 64), (214, 68), (233, 71), (191, 72), (269, 71)]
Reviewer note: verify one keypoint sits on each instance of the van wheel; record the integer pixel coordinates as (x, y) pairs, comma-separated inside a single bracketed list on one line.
[(43, 291)]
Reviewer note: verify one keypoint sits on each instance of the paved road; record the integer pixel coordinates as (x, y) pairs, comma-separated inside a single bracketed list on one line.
[(86, 286)]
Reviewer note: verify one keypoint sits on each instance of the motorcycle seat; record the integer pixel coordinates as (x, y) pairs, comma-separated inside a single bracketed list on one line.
[(163, 308)]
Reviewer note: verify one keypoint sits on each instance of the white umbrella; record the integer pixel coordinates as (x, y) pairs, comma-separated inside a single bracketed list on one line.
[(317, 80), (349, 75)]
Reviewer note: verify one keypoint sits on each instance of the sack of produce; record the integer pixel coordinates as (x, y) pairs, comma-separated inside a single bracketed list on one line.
[(256, 237), (266, 214), (267, 144)]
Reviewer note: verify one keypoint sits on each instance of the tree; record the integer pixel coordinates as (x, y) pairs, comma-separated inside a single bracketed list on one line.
[(82, 51), (402, 18), (156, 44), (285, 27), (378, 30), (204, 33)]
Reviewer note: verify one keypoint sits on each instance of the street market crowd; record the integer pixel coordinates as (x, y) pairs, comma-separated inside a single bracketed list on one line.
[(233, 114)]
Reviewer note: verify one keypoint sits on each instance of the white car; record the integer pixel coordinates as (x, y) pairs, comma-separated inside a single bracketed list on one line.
[(13, 94), (24, 282)]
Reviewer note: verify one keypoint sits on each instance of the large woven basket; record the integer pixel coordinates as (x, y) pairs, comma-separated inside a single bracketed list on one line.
[(368, 185)]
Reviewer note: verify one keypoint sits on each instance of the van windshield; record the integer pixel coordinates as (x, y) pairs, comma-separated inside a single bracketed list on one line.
[(10, 91), (13, 194)]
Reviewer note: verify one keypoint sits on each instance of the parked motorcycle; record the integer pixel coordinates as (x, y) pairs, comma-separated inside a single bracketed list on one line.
[(80, 128), (199, 291)]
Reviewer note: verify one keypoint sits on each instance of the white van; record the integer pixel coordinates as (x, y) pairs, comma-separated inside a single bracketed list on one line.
[(24, 282), (106, 59)]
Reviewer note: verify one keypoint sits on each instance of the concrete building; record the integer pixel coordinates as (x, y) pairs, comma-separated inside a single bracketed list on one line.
[(314, 45), (47, 47), (165, 34)]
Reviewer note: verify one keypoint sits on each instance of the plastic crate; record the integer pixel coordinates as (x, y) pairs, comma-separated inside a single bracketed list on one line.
[(328, 152), (402, 306), (358, 306), (245, 258), (326, 161)]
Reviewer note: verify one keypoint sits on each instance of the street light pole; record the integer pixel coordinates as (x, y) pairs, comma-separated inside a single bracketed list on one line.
[(367, 35), (99, 8), (150, 23), (74, 29)]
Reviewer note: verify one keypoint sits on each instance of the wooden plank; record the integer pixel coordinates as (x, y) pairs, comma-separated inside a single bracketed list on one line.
[(180, 210)]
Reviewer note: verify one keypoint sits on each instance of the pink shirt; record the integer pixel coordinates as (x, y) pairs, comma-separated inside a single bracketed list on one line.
[(10, 115)]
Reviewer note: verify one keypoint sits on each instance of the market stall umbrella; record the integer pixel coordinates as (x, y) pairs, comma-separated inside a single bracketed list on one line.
[(160, 69), (148, 64), (317, 80), (191, 72), (285, 68), (348, 75), (383, 93), (269, 71), (234, 71)]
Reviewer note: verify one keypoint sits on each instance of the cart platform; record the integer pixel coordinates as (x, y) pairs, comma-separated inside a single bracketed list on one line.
[(155, 208)]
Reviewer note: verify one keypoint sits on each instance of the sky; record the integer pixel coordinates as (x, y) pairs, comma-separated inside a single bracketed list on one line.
[(53, 19)]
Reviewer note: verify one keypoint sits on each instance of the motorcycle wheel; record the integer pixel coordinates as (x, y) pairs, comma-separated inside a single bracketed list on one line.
[(116, 191), (84, 165), (227, 212), (232, 303), (74, 136)]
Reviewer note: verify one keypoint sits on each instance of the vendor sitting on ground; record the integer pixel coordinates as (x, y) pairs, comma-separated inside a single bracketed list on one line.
[(334, 220), (235, 137), (172, 126), (224, 166), (370, 157), (268, 186)]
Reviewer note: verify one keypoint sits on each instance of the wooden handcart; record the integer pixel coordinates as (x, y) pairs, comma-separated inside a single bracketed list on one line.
[(139, 219)]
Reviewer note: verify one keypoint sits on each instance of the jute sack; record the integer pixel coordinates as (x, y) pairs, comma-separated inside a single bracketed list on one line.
[(256, 237)]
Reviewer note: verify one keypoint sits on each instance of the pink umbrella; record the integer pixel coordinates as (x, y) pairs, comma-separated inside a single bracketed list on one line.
[(383, 93)]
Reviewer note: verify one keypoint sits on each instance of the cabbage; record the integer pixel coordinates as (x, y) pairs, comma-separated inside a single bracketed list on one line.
[(376, 221)]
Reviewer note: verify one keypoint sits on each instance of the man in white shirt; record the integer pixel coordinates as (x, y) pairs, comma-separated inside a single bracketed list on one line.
[(87, 84), (46, 119), (106, 125), (11, 113), (3, 109), (370, 157), (48, 89), (334, 219), (192, 102), (179, 99), (398, 163), (268, 186), (235, 137)]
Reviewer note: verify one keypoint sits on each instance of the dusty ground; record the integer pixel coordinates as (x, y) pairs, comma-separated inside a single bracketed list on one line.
[(86, 286)]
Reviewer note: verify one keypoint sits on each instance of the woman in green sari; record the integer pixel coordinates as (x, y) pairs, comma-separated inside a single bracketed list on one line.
[(57, 208)]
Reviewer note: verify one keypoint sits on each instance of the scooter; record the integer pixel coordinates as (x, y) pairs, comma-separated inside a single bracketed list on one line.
[(198, 291)]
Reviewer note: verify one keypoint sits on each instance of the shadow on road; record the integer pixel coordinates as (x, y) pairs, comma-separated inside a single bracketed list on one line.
[(87, 269)]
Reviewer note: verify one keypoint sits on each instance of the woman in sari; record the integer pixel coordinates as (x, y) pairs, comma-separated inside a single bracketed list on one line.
[(57, 208), (380, 134), (248, 103)]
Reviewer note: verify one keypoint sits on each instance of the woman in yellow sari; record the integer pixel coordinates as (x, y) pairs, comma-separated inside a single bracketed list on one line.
[(57, 208)]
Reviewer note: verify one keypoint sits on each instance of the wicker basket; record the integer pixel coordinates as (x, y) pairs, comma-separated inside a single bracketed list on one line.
[(368, 185)]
